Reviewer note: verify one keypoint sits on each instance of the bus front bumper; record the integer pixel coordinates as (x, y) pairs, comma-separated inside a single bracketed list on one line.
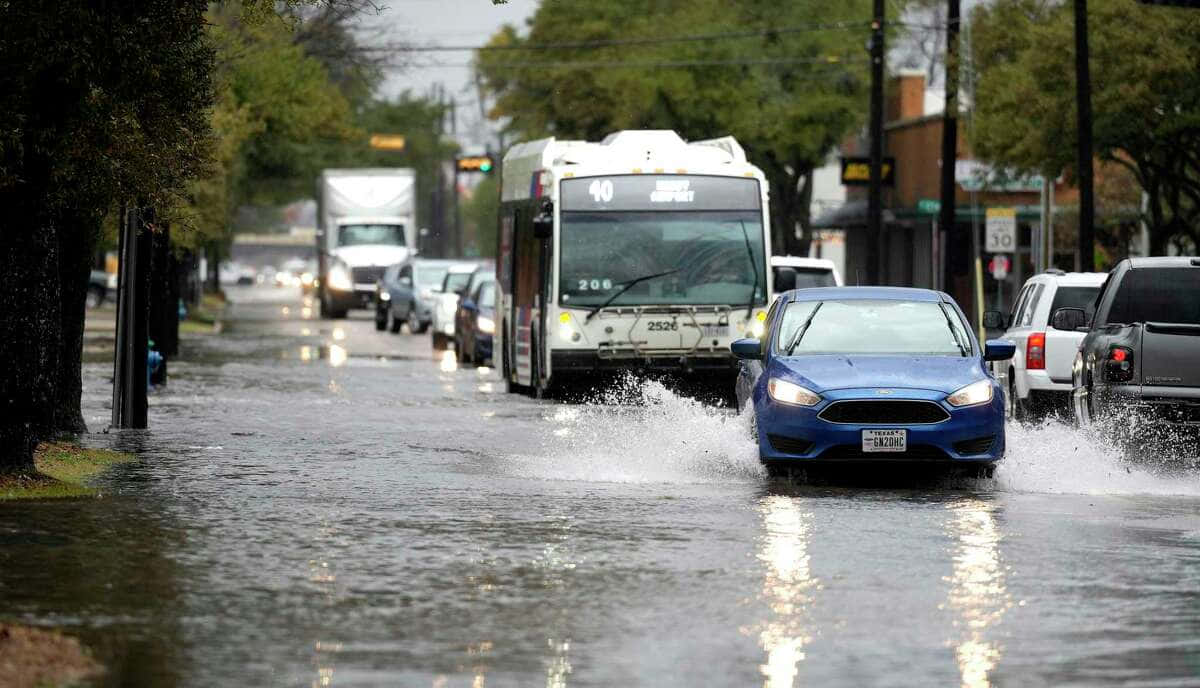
[(675, 360)]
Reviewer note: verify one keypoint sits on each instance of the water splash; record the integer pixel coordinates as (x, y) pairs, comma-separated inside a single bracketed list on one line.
[(661, 437), (1057, 458)]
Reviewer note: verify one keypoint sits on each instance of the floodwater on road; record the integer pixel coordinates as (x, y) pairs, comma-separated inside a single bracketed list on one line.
[(321, 504)]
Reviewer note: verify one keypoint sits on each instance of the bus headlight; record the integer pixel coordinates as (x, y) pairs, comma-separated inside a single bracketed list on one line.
[(339, 278), (566, 332), (485, 324)]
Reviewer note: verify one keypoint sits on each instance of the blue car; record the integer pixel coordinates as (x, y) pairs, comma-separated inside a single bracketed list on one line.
[(869, 375), (475, 322)]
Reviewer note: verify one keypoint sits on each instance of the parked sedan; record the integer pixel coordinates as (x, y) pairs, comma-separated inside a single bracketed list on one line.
[(405, 294), (866, 375), (101, 287), (475, 323), (455, 284)]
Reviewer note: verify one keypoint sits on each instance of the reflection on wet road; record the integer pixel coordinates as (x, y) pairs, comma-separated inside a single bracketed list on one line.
[(321, 504)]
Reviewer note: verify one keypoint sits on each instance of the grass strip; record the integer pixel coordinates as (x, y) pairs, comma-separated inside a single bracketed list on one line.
[(63, 470)]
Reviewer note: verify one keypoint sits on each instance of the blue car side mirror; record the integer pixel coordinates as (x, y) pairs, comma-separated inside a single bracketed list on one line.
[(998, 350), (748, 349)]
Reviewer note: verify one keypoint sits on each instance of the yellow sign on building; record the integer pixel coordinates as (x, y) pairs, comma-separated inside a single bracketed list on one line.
[(392, 142)]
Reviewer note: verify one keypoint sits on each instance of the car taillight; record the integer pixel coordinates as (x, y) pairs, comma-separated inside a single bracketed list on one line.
[(1119, 365), (1035, 352)]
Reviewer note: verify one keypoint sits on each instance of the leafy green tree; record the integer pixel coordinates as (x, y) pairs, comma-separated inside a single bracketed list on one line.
[(1145, 98), (101, 102), (790, 86), (482, 213)]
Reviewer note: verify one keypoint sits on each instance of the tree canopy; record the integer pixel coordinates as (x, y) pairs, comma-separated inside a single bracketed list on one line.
[(1145, 98)]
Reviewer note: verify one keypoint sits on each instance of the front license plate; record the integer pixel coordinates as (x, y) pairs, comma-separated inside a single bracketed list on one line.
[(714, 330), (884, 440)]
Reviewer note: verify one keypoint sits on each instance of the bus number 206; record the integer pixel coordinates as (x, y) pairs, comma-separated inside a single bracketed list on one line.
[(594, 285)]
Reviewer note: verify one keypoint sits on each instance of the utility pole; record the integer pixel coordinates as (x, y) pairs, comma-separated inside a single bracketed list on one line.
[(948, 212), (875, 192), (437, 218), (129, 409), (458, 235), (1083, 112)]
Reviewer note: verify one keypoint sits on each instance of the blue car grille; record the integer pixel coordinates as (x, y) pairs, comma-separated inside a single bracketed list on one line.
[(979, 445), (789, 445), (897, 412)]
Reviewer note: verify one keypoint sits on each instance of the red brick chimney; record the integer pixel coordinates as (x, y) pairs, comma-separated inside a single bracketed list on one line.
[(906, 95)]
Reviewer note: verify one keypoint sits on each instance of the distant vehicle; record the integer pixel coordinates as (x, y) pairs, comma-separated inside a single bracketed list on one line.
[(308, 278), (102, 286), (445, 302), (366, 221), (1037, 379), (641, 251), (804, 272), (1137, 372), (236, 273), (288, 274), (848, 375), (475, 324), (406, 294)]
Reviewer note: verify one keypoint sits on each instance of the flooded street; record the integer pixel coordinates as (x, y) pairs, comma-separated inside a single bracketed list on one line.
[(321, 504)]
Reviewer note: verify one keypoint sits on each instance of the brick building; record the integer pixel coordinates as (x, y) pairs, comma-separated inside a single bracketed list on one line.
[(915, 251)]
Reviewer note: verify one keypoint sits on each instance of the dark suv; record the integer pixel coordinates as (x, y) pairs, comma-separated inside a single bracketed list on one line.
[(1137, 372)]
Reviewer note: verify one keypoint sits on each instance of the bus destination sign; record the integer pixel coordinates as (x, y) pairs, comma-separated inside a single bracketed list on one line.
[(661, 192)]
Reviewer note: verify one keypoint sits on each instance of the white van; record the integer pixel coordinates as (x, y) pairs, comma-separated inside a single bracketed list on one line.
[(810, 272)]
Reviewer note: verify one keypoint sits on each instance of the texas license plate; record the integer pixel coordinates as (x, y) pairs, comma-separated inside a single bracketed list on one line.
[(884, 440)]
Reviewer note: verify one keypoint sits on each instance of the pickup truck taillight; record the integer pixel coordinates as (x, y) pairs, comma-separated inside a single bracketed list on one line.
[(1118, 367), (1035, 351)]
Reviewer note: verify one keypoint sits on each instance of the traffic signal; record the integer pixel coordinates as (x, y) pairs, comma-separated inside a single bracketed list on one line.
[(475, 163)]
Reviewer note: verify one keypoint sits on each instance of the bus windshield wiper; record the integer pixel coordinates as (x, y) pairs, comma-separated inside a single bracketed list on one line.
[(962, 349), (627, 287), (803, 329), (750, 252)]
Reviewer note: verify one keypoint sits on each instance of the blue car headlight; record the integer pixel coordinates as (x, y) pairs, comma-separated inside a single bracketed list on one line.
[(789, 393), (975, 393)]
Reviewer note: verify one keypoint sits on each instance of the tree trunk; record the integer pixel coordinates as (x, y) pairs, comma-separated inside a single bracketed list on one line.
[(30, 323), (790, 207), (77, 237)]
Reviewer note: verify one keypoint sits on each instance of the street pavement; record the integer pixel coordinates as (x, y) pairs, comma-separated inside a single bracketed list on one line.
[(321, 504)]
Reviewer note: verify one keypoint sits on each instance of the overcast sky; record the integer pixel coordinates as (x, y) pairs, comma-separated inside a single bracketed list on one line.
[(447, 22)]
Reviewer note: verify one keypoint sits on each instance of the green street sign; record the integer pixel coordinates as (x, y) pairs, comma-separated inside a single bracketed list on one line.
[(929, 206)]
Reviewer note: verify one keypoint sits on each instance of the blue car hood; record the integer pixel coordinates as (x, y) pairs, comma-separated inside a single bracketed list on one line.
[(823, 372)]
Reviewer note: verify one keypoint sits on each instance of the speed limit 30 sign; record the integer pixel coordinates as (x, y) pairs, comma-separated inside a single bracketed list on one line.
[(1001, 235)]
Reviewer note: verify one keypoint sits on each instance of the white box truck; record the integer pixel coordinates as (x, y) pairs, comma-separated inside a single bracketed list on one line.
[(366, 221)]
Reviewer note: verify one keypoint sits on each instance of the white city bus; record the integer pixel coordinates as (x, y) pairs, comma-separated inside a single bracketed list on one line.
[(639, 252)]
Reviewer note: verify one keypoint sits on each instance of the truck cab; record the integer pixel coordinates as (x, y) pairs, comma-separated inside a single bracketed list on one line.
[(366, 222)]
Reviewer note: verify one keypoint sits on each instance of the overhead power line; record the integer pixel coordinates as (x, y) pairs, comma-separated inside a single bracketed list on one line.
[(659, 64), (617, 42)]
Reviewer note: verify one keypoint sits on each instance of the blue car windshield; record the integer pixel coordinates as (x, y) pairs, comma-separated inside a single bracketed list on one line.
[(873, 327)]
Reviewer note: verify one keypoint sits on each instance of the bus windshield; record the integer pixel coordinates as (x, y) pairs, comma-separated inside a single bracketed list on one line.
[(678, 257)]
